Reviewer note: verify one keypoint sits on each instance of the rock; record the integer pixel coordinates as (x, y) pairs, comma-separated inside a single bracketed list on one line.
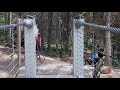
[(105, 70), (106, 76)]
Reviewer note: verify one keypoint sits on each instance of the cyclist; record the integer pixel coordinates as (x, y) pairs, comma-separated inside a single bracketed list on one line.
[(98, 54), (38, 42), (94, 57)]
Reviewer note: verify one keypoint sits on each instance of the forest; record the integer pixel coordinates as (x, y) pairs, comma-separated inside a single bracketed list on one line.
[(56, 30)]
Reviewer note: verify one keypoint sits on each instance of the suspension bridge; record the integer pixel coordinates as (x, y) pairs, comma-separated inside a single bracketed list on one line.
[(50, 68)]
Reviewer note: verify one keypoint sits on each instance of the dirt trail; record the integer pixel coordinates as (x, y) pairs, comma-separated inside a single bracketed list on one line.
[(50, 67), (7, 61)]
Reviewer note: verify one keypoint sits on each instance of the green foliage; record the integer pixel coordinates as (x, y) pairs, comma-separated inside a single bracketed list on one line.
[(62, 53), (1, 38), (88, 45), (2, 22), (52, 53), (58, 52)]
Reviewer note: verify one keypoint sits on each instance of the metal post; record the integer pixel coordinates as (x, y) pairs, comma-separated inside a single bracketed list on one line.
[(78, 50), (30, 49)]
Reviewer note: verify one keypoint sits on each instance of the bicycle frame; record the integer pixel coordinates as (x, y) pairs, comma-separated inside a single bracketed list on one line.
[(98, 67)]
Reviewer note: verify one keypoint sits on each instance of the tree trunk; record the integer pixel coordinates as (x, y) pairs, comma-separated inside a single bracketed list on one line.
[(8, 32), (68, 31), (108, 41), (58, 33), (102, 39), (50, 16)]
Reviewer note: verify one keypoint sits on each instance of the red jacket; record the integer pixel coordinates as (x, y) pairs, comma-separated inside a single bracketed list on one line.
[(38, 39)]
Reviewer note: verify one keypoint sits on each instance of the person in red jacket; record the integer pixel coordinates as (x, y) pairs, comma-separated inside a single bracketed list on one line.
[(38, 42)]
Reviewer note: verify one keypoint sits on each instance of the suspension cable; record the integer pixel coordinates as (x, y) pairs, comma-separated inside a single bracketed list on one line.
[(79, 21), (112, 29), (11, 26)]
